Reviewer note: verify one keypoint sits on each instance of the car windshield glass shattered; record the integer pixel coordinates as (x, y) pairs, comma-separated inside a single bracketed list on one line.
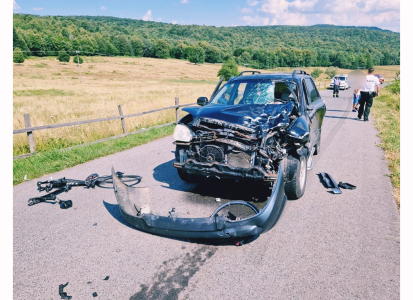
[(256, 92)]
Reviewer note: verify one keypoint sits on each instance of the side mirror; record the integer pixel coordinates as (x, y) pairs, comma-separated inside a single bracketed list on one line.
[(202, 101)]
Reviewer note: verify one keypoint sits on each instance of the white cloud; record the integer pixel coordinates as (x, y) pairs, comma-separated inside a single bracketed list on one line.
[(15, 6), (184, 1), (384, 14), (252, 2), (147, 16), (37, 8), (246, 10), (158, 19), (174, 22), (103, 8)]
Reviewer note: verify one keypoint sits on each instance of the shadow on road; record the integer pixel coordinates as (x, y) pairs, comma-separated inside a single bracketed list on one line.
[(211, 187), (334, 117), (337, 110)]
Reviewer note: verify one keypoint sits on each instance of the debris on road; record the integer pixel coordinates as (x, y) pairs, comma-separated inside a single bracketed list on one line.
[(347, 186), (329, 182), (95, 294), (62, 294), (106, 278), (63, 185)]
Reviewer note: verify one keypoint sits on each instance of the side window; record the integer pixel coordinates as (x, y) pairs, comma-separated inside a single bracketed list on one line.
[(227, 94), (306, 98), (311, 90)]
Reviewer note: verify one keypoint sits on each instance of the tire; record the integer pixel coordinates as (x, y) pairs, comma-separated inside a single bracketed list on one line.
[(189, 178), (295, 176)]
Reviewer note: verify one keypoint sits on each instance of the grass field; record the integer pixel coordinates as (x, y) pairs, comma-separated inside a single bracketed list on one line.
[(51, 92)]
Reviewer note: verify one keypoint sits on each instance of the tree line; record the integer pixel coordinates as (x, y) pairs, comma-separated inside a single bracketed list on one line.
[(254, 46)]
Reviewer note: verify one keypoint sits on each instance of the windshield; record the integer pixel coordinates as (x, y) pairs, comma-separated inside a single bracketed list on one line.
[(256, 92)]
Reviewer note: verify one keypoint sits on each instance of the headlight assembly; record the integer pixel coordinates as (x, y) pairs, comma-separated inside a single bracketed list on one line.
[(182, 133)]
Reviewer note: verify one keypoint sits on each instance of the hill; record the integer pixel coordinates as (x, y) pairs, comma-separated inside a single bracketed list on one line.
[(255, 46)]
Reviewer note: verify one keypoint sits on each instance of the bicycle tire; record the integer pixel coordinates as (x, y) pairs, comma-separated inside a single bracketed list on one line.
[(124, 178)]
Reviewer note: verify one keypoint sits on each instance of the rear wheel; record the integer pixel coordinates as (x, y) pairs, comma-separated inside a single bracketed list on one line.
[(295, 176), (188, 177)]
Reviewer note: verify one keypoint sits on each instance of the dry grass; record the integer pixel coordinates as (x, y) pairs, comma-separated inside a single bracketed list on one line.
[(51, 93)]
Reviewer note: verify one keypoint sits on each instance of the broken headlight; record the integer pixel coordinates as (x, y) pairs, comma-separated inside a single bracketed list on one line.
[(182, 133)]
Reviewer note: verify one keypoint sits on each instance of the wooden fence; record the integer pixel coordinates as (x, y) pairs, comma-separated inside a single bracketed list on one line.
[(29, 129)]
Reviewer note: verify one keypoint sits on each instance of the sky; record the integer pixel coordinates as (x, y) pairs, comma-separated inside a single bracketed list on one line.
[(384, 14)]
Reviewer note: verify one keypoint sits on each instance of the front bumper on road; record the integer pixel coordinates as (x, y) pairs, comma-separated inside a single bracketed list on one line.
[(134, 204)]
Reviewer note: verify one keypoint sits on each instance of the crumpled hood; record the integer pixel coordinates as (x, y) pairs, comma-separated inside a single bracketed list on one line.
[(249, 115)]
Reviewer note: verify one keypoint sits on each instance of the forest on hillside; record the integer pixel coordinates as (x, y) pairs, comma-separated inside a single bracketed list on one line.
[(263, 47)]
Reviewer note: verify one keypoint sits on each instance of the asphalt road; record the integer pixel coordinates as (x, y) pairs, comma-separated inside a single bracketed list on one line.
[(324, 246)]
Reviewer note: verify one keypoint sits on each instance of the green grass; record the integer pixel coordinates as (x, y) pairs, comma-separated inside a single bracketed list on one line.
[(386, 112), (50, 92), (44, 163)]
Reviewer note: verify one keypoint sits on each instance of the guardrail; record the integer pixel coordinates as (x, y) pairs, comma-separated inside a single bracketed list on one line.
[(29, 129)]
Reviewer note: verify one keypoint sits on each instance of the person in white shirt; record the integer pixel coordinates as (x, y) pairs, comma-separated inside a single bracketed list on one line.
[(368, 92)]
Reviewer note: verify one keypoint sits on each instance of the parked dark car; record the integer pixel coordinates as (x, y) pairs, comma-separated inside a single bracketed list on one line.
[(380, 77), (251, 125)]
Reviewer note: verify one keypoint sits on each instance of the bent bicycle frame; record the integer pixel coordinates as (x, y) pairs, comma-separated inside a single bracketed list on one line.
[(134, 204)]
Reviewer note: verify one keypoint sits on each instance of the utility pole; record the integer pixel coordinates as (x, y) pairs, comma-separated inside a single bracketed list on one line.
[(78, 66)]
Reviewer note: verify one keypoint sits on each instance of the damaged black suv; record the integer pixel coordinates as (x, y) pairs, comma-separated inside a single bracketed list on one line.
[(251, 125)]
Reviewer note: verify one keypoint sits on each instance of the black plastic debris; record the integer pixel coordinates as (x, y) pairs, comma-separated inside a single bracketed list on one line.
[(106, 278), (345, 185), (62, 294), (63, 185), (329, 182), (95, 294), (64, 204)]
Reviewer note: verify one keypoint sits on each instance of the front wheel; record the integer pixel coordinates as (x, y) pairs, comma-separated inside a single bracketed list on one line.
[(295, 176)]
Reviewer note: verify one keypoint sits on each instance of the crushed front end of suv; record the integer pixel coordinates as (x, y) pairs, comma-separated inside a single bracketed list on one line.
[(251, 126), (260, 128)]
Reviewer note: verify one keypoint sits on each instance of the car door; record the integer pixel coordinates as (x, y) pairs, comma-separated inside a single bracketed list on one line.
[(315, 110)]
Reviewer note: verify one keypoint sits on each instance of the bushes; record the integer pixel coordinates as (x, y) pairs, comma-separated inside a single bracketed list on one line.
[(63, 56), (229, 69), (316, 73), (18, 56), (75, 60), (196, 55), (331, 71)]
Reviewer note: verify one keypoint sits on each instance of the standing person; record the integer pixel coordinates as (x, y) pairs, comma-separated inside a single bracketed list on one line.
[(368, 92), (337, 82), (356, 98)]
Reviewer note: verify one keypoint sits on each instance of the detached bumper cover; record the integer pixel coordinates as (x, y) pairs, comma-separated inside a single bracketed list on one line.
[(134, 204)]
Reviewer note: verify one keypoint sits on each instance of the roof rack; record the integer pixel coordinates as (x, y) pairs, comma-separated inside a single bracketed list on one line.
[(253, 72), (299, 71)]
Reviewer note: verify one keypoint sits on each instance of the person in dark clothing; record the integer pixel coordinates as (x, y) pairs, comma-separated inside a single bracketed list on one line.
[(368, 92), (337, 83)]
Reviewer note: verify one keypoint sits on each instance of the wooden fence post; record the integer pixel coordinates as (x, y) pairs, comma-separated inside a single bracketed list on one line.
[(177, 109), (29, 133), (122, 119)]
